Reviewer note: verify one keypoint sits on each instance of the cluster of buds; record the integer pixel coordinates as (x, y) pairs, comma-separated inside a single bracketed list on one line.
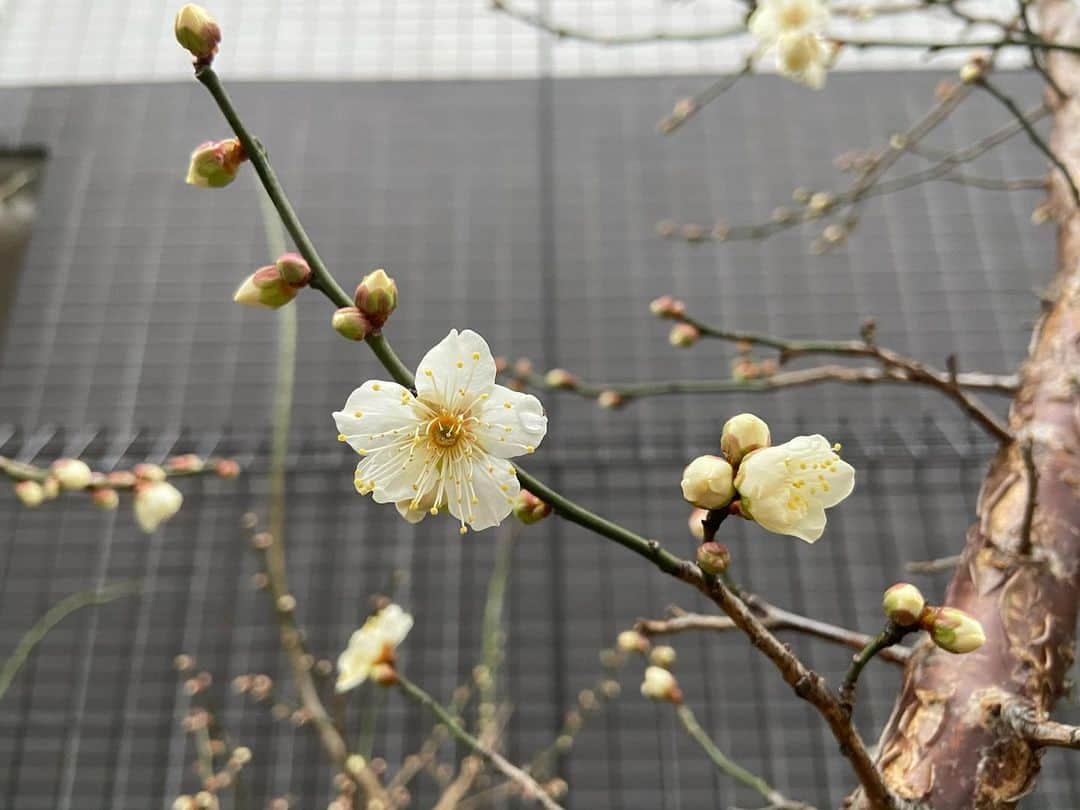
[(197, 32), (529, 509), (708, 482), (668, 308), (950, 628), (215, 164), (375, 300), (746, 367), (276, 284)]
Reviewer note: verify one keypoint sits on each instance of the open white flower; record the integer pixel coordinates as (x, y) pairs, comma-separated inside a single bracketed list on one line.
[(372, 644), (804, 57), (787, 488), (156, 502), (774, 18), (447, 446)]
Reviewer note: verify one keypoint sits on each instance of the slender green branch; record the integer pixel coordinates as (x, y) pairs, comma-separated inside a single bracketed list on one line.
[(1036, 139), (891, 634), (733, 769), (56, 614), (529, 788), (1009, 41)]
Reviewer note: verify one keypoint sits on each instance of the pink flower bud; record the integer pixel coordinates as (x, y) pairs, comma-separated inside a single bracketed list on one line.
[(187, 463), (265, 288), (683, 335), (149, 472), (214, 164), (377, 298), (293, 269), (350, 323), (529, 509), (31, 493), (197, 32), (50, 487), (667, 307), (105, 498), (713, 558), (227, 468), (610, 400), (123, 479)]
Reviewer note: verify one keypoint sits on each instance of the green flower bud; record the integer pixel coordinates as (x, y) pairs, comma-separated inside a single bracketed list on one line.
[(529, 509), (903, 603), (265, 288), (214, 164), (293, 269), (377, 297), (197, 32), (953, 630), (350, 323)]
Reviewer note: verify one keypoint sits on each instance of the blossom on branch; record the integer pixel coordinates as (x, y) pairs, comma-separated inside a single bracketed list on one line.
[(795, 28), (787, 488), (372, 646), (447, 446)]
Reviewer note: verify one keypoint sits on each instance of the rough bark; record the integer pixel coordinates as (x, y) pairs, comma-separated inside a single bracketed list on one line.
[(946, 745)]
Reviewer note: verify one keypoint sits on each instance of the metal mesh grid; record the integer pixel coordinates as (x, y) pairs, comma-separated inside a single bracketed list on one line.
[(526, 201), (67, 41)]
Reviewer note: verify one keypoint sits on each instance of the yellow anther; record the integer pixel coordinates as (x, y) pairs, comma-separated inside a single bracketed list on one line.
[(476, 355), (341, 437)]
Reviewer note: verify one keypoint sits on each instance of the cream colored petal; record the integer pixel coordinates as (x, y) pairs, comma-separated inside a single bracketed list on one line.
[(394, 624), (495, 486), (511, 423), (376, 414), (457, 370)]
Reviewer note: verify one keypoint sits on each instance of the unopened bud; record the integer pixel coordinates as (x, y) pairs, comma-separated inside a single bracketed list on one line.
[(214, 164), (743, 434), (952, 629), (610, 400), (197, 32), (187, 463), (560, 378), (820, 201), (692, 232), (355, 764), (149, 472), (227, 468), (376, 297), (903, 603), (697, 530), (632, 641), (708, 482), (31, 493), (713, 558), (155, 503), (105, 498), (663, 656), (265, 288), (71, 473), (659, 684), (51, 487), (529, 509), (683, 335), (122, 479), (667, 307), (973, 70), (293, 269), (350, 323)]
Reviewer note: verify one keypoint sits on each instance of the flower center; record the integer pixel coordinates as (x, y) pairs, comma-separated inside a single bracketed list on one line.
[(445, 429), (793, 16)]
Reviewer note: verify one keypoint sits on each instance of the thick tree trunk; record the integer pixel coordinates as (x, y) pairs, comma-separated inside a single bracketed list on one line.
[(946, 745)]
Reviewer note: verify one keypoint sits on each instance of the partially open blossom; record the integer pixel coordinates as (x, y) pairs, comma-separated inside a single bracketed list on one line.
[(529, 509), (953, 630), (804, 57), (903, 603), (105, 498), (448, 445), (660, 684), (713, 558), (743, 434), (376, 297), (265, 288), (707, 482), (214, 164), (787, 488), (71, 473), (31, 493), (155, 503), (197, 31), (293, 269), (350, 323), (372, 645), (683, 335)]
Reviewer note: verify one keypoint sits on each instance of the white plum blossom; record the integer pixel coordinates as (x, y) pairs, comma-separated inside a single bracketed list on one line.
[(787, 488), (447, 446), (774, 18), (372, 644), (156, 502), (795, 29)]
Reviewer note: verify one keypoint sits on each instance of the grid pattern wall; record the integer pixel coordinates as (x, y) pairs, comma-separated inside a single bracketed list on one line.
[(526, 213), (66, 41)]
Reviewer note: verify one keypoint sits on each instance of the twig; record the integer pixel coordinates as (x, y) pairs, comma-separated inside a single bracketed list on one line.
[(733, 769), (687, 108), (56, 614), (934, 566), (1008, 41), (1035, 138), (774, 618), (1024, 720), (891, 634), (529, 788)]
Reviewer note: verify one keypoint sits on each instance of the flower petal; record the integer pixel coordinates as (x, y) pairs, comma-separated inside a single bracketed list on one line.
[(511, 423), (458, 366), (375, 414), (354, 664), (494, 486), (393, 624)]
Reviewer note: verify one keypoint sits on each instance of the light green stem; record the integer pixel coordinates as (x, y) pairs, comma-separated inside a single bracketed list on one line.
[(56, 614)]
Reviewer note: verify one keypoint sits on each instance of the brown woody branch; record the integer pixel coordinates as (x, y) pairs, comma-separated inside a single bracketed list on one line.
[(1024, 720)]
